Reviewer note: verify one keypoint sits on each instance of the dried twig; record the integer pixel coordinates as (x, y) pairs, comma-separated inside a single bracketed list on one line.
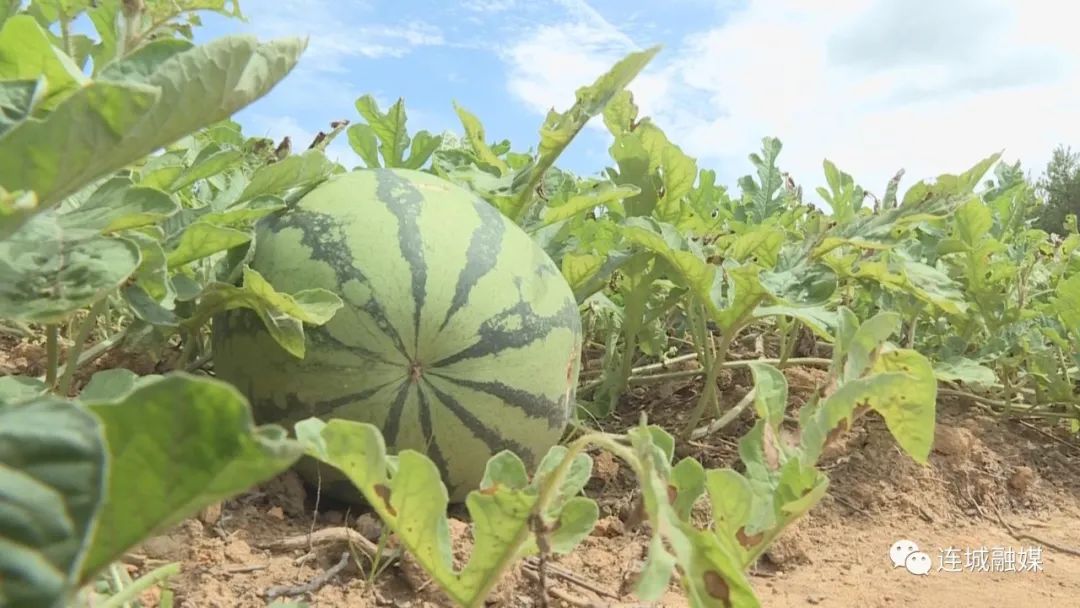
[(1071, 446), (726, 419), (570, 577), (323, 537), (245, 569), (313, 585), (847, 503), (1032, 537), (566, 596)]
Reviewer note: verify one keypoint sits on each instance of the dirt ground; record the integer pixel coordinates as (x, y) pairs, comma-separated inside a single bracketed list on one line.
[(986, 473)]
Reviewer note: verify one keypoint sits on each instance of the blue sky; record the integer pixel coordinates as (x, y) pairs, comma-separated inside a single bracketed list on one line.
[(436, 53), (873, 85)]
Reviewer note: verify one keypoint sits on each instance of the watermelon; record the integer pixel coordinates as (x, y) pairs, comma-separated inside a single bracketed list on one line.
[(458, 338)]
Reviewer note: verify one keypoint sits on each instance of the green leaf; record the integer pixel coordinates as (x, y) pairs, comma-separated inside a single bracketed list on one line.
[(711, 572), (665, 242), (972, 222), (764, 201), (909, 415), (731, 497), (389, 128), (1067, 303), (423, 145), (52, 480), (204, 168), (761, 242), (559, 129), (203, 239), (146, 308), (17, 101), (47, 273), (111, 384), (866, 341), (119, 205), (819, 319), (140, 65), (295, 171), (770, 393), (412, 501), (245, 214), (27, 54), (152, 275), (366, 145), (968, 371), (104, 126), (901, 388), (15, 209), (745, 292), (474, 131), (566, 207), (282, 314), (19, 389), (177, 444)]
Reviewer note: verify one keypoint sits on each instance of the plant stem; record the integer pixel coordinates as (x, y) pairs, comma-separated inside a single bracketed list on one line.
[(13, 331), (73, 355), (710, 378), (910, 340), (52, 350), (637, 378), (129, 593), (690, 373), (97, 350), (726, 419), (65, 34)]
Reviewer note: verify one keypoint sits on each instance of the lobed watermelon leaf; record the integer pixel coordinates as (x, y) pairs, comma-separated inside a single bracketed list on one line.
[(412, 501), (386, 134), (711, 573), (559, 129)]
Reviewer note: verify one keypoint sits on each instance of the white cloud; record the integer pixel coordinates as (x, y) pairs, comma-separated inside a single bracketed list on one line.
[(488, 6), (873, 85), (334, 39)]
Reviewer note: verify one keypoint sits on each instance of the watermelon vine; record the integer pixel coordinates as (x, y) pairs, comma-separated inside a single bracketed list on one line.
[(446, 322)]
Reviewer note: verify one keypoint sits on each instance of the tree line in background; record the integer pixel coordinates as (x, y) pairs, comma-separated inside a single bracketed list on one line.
[(1059, 186)]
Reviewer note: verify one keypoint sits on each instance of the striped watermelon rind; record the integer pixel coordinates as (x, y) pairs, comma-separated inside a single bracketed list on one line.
[(458, 337)]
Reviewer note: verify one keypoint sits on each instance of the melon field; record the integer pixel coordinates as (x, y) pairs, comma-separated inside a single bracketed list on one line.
[(237, 373)]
